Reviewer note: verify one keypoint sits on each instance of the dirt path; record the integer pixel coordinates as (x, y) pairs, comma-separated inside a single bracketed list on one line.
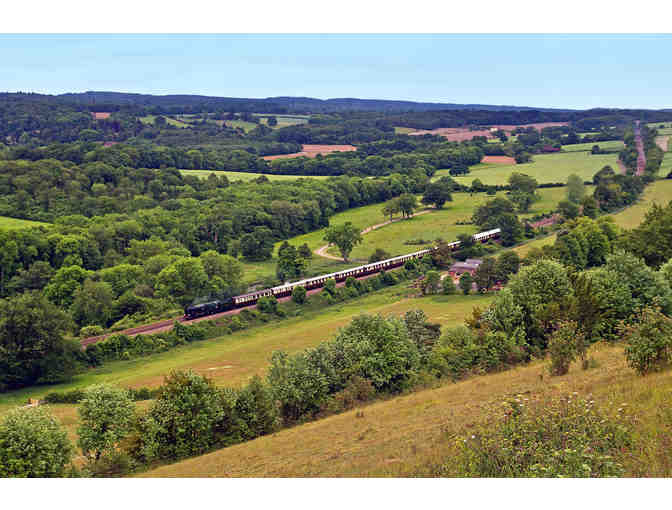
[(322, 251)]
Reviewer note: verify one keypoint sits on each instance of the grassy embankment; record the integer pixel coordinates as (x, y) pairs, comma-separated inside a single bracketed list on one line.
[(16, 223), (411, 435)]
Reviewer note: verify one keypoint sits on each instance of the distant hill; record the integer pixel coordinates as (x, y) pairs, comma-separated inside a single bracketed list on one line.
[(284, 104)]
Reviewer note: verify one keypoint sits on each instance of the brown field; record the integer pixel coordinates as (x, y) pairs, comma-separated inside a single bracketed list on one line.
[(502, 160), (462, 133), (310, 151), (100, 115)]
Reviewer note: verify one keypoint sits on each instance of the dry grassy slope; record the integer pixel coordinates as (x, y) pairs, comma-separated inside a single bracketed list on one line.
[(409, 435)]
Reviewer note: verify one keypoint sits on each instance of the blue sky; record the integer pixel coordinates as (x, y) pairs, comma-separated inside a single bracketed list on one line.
[(565, 71)]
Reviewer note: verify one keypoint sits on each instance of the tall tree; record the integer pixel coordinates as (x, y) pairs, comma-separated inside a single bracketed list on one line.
[(575, 189), (345, 237)]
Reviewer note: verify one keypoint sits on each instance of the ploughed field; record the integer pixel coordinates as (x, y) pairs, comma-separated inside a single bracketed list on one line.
[(464, 133), (311, 151)]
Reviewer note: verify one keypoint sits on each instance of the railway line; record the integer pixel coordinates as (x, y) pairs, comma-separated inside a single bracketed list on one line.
[(215, 309)]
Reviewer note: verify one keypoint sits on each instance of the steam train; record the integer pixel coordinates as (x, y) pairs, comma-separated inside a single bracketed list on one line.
[(217, 306)]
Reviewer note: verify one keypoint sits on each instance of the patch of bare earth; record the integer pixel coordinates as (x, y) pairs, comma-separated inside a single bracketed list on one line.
[(463, 133), (662, 141), (100, 115), (500, 160), (310, 151)]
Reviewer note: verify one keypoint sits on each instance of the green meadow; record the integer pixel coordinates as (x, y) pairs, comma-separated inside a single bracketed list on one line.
[(16, 223)]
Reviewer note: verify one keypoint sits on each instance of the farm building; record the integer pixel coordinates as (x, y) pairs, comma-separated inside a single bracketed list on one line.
[(468, 266)]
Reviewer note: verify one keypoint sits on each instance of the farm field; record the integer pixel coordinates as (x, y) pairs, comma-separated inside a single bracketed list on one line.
[(247, 176), (667, 130), (283, 120), (149, 119), (615, 145), (441, 223), (242, 124), (403, 130), (16, 223), (544, 168), (312, 150), (666, 165), (412, 435)]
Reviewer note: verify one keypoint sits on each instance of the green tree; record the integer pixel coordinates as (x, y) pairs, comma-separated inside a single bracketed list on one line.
[(32, 344), (437, 193), (105, 417), (589, 207), (649, 341), (569, 210), (448, 286), (183, 420), (391, 208), (224, 272), (62, 287), (407, 204), (184, 280), (379, 254), (431, 283), (345, 237), (465, 283), (485, 275), (93, 303), (507, 265), (299, 295), (575, 189), (256, 409), (563, 347), (512, 230), (33, 445)]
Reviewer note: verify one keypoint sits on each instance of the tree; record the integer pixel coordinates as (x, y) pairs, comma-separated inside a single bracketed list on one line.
[(93, 303), (568, 210), (575, 189), (256, 409), (183, 420), (407, 204), (649, 341), (437, 193), (391, 208), (430, 285), (487, 215), (507, 265), (257, 245), (512, 230), (522, 200), (184, 280), (305, 252), (290, 263), (33, 445), (448, 286), (32, 344), (272, 121), (105, 417), (299, 295), (589, 207), (379, 254), (345, 237), (563, 347), (465, 283), (485, 275), (62, 287)]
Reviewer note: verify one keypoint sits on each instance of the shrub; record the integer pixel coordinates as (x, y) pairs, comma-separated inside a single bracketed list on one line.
[(183, 419), (430, 285), (268, 304), (330, 286), (105, 416), (649, 341), (33, 445), (567, 438), (448, 285), (67, 397), (256, 410), (88, 331), (563, 346), (465, 283), (299, 295)]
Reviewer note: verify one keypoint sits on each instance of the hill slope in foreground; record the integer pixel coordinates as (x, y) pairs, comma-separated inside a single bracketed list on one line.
[(413, 434)]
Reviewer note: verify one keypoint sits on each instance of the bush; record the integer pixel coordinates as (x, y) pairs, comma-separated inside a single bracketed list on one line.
[(649, 341), (563, 346), (567, 438), (183, 420), (268, 304), (89, 331), (448, 285), (299, 295), (66, 397), (33, 445)]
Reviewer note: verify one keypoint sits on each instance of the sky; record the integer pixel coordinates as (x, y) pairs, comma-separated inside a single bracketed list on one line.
[(560, 71)]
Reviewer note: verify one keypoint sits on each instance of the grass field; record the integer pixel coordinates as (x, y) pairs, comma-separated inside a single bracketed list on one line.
[(441, 223), (667, 130), (283, 120), (612, 145), (544, 168), (243, 124), (412, 434), (149, 119), (666, 166), (16, 223), (246, 176), (403, 130)]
